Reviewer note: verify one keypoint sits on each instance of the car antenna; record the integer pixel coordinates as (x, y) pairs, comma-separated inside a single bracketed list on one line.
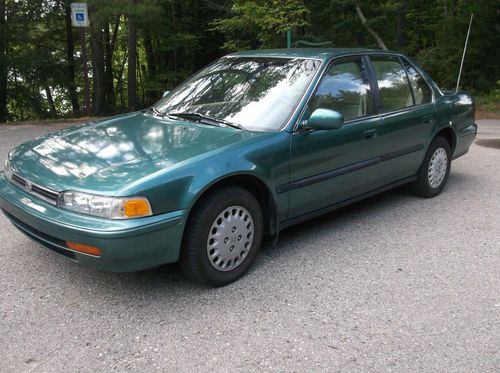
[(463, 55)]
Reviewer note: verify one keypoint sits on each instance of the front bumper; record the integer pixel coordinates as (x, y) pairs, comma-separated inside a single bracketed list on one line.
[(126, 245)]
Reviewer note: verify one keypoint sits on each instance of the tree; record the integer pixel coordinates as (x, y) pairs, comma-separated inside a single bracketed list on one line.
[(3, 64), (401, 31), (98, 77), (260, 24), (132, 62), (138, 49), (70, 59), (365, 24)]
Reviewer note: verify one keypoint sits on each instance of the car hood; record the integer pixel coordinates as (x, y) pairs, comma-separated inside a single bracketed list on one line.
[(107, 155)]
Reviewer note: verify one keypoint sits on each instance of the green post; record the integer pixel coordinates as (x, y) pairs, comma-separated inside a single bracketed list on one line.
[(289, 38)]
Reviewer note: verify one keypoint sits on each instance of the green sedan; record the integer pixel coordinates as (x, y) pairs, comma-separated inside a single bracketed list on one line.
[(254, 143)]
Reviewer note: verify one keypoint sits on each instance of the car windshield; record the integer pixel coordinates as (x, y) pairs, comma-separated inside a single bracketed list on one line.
[(254, 93)]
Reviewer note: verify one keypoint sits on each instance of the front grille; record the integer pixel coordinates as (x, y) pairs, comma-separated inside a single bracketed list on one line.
[(47, 195)]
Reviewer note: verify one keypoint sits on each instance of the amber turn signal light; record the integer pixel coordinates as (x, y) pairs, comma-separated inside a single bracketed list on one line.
[(91, 250), (133, 208)]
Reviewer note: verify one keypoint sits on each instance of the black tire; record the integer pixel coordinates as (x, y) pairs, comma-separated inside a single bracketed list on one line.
[(422, 187), (194, 259)]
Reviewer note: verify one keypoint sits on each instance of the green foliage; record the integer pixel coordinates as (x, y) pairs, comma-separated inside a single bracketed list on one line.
[(260, 24), (177, 37), (491, 101)]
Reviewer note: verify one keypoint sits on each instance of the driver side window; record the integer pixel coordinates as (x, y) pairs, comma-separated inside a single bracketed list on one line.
[(345, 89)]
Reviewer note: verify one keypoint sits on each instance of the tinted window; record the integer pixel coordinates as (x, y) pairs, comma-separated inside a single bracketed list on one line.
[(393, 84), (421, 90), (345, 89)]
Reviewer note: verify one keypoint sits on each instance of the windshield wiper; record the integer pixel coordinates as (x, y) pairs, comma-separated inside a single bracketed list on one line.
[(156, 111), (202, 118)]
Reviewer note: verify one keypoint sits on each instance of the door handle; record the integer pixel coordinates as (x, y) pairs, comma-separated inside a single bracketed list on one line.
[(428, 119), (370, 134)]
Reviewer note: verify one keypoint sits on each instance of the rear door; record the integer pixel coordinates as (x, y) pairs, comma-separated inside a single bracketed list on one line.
[(408, 115)]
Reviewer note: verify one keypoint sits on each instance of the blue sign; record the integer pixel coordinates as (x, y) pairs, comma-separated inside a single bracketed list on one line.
[(79, 15)]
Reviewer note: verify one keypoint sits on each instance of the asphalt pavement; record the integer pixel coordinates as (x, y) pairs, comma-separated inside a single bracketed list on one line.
[(395, 283)]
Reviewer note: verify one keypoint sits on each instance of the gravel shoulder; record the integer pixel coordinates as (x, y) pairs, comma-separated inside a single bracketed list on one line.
[(393, 283)]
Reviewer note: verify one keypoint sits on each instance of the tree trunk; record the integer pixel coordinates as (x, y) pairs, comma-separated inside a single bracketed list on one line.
[(71, 61), (174, 52), (50, 100), (400, 34), (110, 42), (85, 71), (372, 32), (195, 7), (150, 57), (3, 64), (108, 69), (454, 7), (141, 82), (132, 62), (99, 97)]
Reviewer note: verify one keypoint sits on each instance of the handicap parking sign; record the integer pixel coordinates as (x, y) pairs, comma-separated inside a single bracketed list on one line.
[(79, 15)]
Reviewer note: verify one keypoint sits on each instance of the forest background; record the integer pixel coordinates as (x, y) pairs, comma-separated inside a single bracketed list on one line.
[(137, 49)]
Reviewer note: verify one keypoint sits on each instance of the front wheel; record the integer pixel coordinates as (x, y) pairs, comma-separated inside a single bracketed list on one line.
[(435, 169), (223, 236)]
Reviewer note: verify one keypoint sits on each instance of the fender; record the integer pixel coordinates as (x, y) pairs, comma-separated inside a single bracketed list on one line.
[(265, 157)]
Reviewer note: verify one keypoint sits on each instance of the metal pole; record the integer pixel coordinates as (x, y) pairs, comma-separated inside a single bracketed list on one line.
[(289, 38), (463, 55)]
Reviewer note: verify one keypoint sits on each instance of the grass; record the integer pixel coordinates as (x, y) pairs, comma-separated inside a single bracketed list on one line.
[(488, 107), (52, 121)]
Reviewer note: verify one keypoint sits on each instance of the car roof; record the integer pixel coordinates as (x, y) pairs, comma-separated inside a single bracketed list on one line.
[(315, 53)]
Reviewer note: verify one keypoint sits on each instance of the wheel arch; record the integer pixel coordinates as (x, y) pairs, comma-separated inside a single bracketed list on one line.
[(449, 135), (254, 185)]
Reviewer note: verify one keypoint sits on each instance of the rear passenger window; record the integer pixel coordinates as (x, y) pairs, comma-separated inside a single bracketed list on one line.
[(345, 89), (421, 90), (395, 92)]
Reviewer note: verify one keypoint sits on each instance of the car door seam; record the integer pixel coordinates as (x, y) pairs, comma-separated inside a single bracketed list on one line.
[(399, 153), (300, 183)]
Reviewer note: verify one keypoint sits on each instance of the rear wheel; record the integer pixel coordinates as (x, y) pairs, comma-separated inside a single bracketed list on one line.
[(435, 169), (223, 236)]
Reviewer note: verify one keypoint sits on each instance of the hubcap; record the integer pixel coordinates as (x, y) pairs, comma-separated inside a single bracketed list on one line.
[(437, 168), (230, 238)]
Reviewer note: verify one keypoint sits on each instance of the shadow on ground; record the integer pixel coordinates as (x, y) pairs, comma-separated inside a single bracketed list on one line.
[(489, 143)]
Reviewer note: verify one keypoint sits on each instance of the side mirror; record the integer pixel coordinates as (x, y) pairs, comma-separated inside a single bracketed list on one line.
[(325, 119), (165, 93)]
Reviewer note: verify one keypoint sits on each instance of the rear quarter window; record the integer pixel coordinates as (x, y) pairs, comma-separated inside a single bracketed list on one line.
[(421, 90)]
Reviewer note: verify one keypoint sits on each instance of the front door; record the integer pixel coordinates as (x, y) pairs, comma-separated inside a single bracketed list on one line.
[(330, 166)]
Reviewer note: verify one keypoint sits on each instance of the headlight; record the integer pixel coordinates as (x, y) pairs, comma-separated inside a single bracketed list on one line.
[(7, 171), (105, 207)]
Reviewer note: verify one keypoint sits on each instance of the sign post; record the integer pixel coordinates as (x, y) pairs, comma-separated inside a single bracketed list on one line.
[(80, 19)]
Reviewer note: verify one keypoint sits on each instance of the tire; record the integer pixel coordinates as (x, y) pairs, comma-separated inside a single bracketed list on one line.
[(223, 235), (432, 176)]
